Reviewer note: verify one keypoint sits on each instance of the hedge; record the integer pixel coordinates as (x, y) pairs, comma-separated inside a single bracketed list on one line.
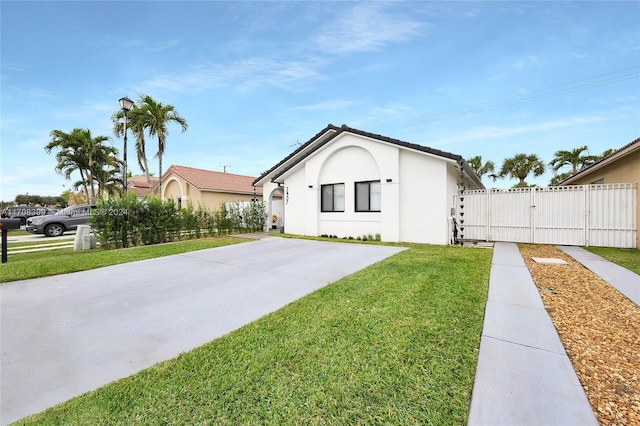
[(126, 221)]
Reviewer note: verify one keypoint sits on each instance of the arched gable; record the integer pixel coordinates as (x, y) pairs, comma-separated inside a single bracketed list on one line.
[(348, 164), (173, 189)]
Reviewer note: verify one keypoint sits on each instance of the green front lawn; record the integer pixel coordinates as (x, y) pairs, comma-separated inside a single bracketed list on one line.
[(627, 258), (395, 343)]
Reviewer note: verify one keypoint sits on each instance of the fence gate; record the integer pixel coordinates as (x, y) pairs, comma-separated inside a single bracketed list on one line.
[(585, 215)]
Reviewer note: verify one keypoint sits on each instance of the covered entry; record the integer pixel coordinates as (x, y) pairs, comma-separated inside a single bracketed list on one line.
[(275, 209)]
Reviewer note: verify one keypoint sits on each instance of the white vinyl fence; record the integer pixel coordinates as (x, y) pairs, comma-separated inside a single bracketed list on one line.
[(584, 215)]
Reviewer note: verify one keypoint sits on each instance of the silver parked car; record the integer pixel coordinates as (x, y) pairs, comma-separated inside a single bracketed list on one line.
[(56, 224)]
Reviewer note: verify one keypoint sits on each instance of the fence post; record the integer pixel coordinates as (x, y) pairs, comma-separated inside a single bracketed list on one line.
[(532, 214), (488, 218), (587, 214)]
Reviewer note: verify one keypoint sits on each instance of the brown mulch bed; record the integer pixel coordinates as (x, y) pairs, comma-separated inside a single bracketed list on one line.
[(600, 330)]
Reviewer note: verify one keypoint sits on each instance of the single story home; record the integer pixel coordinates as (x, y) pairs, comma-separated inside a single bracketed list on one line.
[(207, 188), (350, 183), (621, 166)]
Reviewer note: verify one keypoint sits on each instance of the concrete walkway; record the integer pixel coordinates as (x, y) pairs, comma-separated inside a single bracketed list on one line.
[(69, 334), (524, 376), (625, 281)]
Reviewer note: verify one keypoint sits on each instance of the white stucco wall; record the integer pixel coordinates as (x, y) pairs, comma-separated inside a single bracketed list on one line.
[(347, 160), (416, 192), (423, 198), (295, 205)]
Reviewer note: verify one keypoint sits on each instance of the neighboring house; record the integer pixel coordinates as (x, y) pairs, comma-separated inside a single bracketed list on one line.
[(207, 188), (140, 185), (349, 183), (622, 166)]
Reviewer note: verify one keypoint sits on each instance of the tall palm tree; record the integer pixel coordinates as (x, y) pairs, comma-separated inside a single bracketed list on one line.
[(82, 152), (67, 157), (135, 123), (99, 156), (577, 158), (481, 168), (520, 166), (154, 118)]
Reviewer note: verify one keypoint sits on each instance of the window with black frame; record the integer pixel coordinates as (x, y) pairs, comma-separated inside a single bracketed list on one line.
[(332, 197), (368, 196)]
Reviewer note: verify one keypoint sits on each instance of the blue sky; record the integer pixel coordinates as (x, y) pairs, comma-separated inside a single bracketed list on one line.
[(254, 78)]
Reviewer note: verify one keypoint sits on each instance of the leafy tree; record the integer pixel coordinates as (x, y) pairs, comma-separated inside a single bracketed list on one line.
[(71, 197), (31, 200), (577, 158), (520, 166), (481, 168), (80, 151)]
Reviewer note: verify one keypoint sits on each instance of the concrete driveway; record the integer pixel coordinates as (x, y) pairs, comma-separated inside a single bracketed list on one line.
[(68, 334)]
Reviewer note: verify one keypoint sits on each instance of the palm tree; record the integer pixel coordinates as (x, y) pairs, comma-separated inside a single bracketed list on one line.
[(482, 169), (108, 178), (605, 153), (556, 179), (68, 160), (577, 158), (154, 118), (80, 151), (520, 166), (135, 123)]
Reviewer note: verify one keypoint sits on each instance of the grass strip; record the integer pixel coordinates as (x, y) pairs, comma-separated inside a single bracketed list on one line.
[(395, 343), (33, 245), (627, 258), (21, 266)]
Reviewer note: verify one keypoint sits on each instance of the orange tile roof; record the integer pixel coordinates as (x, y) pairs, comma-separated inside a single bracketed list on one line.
[(139, 184), (209, 180), (141, 181)]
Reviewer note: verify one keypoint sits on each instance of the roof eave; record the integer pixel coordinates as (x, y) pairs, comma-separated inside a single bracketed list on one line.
[(622, 152), (473, 176), (294, 156)]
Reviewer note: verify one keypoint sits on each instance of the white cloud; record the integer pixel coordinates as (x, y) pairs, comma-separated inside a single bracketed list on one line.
[(156, 46), (494, 132), (367, 27), (243, 74), (525, 62), (578, 55), (472, 13), (333, 104), (163, 45)]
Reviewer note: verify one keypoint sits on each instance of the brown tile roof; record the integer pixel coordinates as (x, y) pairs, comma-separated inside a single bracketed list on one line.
[(209, 180)]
